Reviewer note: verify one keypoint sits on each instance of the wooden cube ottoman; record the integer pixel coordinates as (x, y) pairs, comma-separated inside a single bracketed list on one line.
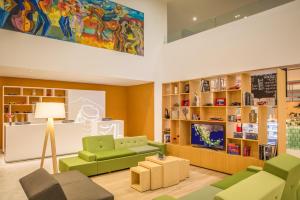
[(140, 178), (155, 174)]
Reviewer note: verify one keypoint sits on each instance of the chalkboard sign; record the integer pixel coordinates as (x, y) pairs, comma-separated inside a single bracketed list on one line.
[(264, 86)]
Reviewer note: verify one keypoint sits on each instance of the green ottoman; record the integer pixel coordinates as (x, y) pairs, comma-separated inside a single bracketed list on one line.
[(76, 163), (234, 179), (286, 167), (206, 193), (164, 197), (260, 186)]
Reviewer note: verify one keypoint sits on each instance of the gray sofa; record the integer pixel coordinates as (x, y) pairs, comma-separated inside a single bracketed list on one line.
[(72, 185)]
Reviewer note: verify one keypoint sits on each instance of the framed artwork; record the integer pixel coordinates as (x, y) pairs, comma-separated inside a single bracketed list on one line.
[(98, 23)]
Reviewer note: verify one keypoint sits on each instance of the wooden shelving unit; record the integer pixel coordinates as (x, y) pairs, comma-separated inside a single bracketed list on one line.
[(206, 111), (22, 100)]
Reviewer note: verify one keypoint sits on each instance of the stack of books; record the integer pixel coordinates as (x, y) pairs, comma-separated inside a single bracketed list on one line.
[(246, 151)]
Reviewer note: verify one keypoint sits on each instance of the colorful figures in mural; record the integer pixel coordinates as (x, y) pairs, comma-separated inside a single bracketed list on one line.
[(99, 23), (42, 8), (64, 21)]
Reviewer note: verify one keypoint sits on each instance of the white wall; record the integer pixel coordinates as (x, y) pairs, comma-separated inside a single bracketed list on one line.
[(268, 39), (37, 55)]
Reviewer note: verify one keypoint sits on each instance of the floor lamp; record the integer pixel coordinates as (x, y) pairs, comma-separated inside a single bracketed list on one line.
[(50, 111)]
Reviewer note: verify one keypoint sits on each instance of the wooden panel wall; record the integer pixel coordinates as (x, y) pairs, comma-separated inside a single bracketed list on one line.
[(140, 113)]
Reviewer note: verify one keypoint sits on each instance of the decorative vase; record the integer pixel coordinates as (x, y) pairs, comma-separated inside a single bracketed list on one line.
[(252, 116)]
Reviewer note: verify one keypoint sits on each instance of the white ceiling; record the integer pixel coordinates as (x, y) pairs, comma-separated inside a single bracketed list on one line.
[(181, 12), (70, 76)]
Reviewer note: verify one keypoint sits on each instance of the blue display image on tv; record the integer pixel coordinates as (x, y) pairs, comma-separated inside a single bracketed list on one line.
[(208, 135)]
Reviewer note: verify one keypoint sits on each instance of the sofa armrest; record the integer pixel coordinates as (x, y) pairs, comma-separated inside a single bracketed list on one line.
[(255, 169), (161, 146), (298, 191), (87, 156)]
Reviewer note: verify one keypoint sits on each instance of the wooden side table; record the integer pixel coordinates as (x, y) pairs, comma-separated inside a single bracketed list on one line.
[(170, 167), (156, 171), (140, 178)]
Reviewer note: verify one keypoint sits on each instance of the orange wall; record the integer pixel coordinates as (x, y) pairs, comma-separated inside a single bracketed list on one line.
[(133, 104), (140, 113)]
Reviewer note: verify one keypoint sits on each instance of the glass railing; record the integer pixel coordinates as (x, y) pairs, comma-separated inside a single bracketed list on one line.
[(238, 14)]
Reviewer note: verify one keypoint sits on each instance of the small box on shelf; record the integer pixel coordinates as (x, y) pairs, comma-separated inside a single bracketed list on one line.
[(238, 135), (233, 148), (12, 91), (246, 151)]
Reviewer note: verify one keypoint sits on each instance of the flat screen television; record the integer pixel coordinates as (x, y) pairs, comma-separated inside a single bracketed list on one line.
[(208, 135)]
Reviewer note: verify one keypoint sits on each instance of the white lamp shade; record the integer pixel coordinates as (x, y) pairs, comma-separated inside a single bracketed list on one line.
[(50, 110)]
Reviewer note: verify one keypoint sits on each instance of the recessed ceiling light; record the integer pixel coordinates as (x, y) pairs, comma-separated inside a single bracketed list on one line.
[(195, 19), (237, 16)]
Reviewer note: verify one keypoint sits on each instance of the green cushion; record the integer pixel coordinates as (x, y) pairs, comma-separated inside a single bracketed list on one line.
[(110, 154), (144, 149), (206, 193), (95, 144), (87, 156), (286, 167), (127, 142), (232, 180), (260, 186), (254, 168), (164, 197), (76, 163)]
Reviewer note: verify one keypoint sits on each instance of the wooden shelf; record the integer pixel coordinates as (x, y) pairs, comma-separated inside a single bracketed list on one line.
[(23, 100), (180, 129), (212, 106)]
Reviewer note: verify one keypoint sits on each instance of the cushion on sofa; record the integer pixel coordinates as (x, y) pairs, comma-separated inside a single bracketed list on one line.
[(206, 193), (95, 144), (87, 156), (40, 185), (260, 186), (111, 154), (130, 142), (144, 149), (78, 187), (231, 180), (286, 167), (88, 168)]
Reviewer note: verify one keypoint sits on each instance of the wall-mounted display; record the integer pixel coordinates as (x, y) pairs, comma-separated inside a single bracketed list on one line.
[(264, 86), (101, 23)]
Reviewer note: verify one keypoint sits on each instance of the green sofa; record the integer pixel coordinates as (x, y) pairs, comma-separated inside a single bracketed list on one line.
[(278, 180), (102, 154)]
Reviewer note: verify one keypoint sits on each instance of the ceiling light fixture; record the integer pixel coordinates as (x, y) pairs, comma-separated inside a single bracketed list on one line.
[(195, 19), (237, 16)]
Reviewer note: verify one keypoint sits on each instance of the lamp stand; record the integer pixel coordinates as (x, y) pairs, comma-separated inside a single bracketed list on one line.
[(50, 131)]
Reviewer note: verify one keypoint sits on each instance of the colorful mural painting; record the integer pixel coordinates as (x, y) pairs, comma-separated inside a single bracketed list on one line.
[(98, 23)]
